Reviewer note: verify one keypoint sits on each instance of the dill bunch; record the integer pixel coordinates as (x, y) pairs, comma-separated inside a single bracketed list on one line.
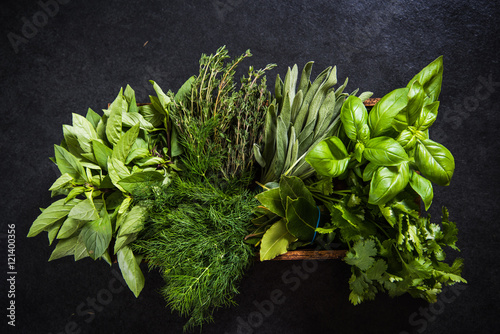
[(195, 237)]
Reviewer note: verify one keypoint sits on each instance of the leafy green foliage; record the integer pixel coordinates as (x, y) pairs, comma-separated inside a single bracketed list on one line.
[(195, 237), (100, 168)]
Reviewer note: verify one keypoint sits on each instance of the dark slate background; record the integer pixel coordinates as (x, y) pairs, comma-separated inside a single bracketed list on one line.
[(82, 52)]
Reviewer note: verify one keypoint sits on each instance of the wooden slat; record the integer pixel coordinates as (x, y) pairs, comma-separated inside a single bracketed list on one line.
[(371, 102), (311, 255)]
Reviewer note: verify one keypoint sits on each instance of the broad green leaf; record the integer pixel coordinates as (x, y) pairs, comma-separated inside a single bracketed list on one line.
[(140, 180), (96, 235), (134, 221), (409, 114), (302, 218), (329, 157), (93, 118), (427, 116), (422, 187), (387, 182), (114, 123), (185, 91), (50, 215), (152, 115), (129, 94), (382, 115), (84, 210), (53, 229), (61, 182), (131, 119), (138, 153), (71, 141), (84, 131), (74, 192), (149, 161), (80, 249), (102, 153), (431, 77), (353, 115), (272, 201), (69, 164), (435, 162), (124, 145), (175, 145), (117, 171), (275, 241), (384, 151), (162, 97), (64, 248), (69, 227), (369, 171), (293, 187), (124, 240), (124, 206), (131, 271)]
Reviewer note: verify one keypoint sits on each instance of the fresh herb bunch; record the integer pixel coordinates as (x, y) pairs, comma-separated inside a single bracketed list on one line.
[(195, 238), (367, 179), (197, 222), (217, 123), (102, 160)]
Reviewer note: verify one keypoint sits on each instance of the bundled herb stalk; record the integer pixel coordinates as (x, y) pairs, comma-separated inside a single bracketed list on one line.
[(197, 224)]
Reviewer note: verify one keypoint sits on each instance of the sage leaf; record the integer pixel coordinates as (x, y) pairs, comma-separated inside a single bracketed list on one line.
[(329, 157), (385, 151), (301, 217), (50, 215), (382, 115), (353, 115), (435, 162), (130, 269), (387, 182), (422, 187), (275, 241)]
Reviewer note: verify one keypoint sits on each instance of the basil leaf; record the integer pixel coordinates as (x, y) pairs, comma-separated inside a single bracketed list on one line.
[(369, 171), (163, 99), (64, 248), (114, 123), (435, 162), (140, 179), (84, 131), (93, 118), (117, 171), (130, 269), (134, 221), (102, 153), (385, 151), (61, 182), (84, 210), (124, 145), (427, 116), (409, 114), (329, 157), (68, 163), (185, 91), (431, 78), (129, 94), (50, 215), (69, 227), (96, 235), (124, 240), (134, 118), (381, 117), (150, 114), (272, 201), (387, 182), (275, 241), (353, 116), (422, 187), (301, 218)]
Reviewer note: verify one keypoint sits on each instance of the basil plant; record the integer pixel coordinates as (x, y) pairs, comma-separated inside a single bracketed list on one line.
[(390, 146)]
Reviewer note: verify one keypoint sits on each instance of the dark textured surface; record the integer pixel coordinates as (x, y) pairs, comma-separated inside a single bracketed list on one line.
[(86, 51)]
